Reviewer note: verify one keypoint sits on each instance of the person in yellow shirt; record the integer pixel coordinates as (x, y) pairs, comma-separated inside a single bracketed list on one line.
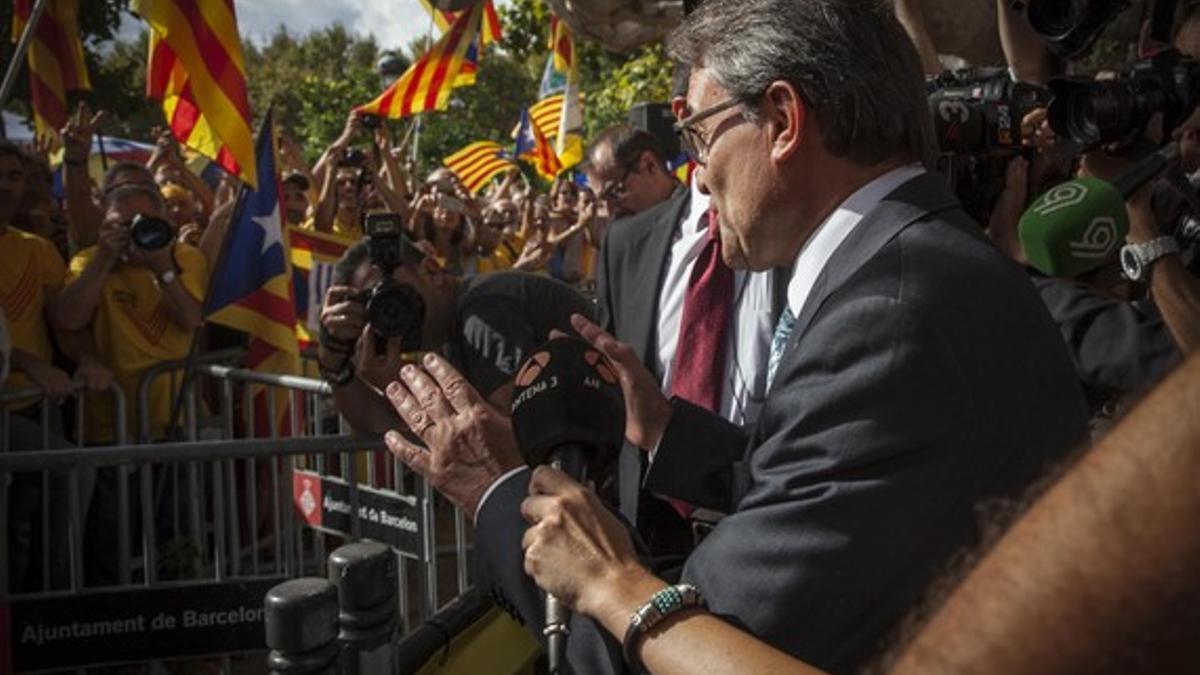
[(139, 306), (31, 276), (134, 305)]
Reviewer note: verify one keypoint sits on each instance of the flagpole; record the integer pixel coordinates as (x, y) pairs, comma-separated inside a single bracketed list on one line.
[(214, 275), (14, 66)]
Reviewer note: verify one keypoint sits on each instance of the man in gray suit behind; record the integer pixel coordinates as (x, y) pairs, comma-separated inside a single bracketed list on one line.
[(916, 373)]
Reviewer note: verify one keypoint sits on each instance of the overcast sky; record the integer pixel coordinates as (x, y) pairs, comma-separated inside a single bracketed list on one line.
[(394, 23)]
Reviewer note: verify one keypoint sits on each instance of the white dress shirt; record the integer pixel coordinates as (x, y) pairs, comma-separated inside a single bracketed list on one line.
[(830, 234), (749, 340)]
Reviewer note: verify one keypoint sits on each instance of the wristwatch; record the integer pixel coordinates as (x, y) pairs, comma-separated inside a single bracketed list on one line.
[(1137, 258), (167, 277)]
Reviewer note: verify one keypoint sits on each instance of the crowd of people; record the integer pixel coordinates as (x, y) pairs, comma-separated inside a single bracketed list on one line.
[(829, 368), (103, 281)]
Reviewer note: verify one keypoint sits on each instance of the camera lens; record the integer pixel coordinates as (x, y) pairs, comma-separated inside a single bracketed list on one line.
[(1052, 19), (150, 233), (397, 310)]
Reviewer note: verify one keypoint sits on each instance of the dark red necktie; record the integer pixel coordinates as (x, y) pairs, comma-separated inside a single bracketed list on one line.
[(698, 371)]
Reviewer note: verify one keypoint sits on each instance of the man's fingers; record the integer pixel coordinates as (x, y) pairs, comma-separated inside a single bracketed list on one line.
[(617, 352), (549, 481), (427, 392), (461, 395), (536, 507), (413, 456), (409, 409)]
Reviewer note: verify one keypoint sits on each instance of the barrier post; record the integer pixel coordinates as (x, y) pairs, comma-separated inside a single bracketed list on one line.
[(365, 576), (301, 621)]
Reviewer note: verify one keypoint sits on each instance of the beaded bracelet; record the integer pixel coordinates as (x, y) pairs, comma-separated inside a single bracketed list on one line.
[(662, 604)]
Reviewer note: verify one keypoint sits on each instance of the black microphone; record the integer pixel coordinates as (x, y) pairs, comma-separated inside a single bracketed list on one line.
[(568, 412), (1145, 169)]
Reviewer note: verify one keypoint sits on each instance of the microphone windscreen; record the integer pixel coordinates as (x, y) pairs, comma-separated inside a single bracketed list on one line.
[(567, 394), (1074, 227)]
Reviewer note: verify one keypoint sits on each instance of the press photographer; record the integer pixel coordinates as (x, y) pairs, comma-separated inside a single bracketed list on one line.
[(1113, 273), (391, 298)]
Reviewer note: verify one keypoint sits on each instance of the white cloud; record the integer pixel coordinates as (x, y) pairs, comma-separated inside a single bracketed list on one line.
[(394, 23)]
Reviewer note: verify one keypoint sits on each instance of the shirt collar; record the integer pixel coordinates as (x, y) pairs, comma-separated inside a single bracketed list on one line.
[(830, 234)]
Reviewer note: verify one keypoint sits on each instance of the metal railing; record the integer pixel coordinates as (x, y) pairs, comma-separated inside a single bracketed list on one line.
[(222, 506), (77, 486)]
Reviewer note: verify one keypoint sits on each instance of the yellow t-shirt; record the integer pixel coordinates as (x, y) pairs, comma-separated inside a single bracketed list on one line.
[(507, 252), (29, 266), (341, 228), (133, 332)]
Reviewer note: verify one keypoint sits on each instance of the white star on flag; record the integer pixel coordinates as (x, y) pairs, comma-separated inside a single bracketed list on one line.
[(272, 231)]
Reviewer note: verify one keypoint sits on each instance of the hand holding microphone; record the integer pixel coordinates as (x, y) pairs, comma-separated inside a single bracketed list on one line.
[(568, 412)]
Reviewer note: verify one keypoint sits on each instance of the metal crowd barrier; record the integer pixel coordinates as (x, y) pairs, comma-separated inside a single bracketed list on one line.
[(78, 486), (222, 516)]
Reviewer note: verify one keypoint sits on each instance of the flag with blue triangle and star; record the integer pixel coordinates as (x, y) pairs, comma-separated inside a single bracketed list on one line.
[(251, 290)]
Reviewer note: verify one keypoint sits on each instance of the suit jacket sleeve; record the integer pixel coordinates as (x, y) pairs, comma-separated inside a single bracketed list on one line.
[(500, 569), (1116, 346), (605, 317), (699, 458)]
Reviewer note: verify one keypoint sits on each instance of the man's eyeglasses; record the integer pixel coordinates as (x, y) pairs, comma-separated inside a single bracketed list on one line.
[(615, 189), (693, 142)]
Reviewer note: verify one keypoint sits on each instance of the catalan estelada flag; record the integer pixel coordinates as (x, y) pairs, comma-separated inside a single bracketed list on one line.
[(478, 163), (55, 60), (426, 85), (533, 146), (313, 256), (197, 71), (683, 167), (252, 292)]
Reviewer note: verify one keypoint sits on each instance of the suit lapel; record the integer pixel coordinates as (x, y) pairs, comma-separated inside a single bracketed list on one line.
[(647, 278), (908, 203)]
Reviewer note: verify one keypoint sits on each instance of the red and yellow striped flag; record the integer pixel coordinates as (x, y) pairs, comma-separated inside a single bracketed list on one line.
[(546, 115), (444, 18), (56, 63), (427, 83), (478, 163), (196, 69), (544, 158)]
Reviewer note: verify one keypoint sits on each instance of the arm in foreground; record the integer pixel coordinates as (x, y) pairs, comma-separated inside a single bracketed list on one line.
[(1101, 574)]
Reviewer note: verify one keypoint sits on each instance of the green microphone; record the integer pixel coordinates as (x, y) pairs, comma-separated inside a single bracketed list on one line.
[(1075, 227)]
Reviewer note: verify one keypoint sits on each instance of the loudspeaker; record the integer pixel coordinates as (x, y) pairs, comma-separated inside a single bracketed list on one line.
[(656, 118)]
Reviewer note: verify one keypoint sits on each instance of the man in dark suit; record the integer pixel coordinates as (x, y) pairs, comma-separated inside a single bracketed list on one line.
[(914, 374), (646, 273)]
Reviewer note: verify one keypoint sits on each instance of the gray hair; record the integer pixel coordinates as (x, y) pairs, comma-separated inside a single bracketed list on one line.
[(137, 190), (856, 68)]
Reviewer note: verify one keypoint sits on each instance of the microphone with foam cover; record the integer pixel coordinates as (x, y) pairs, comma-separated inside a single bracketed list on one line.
[(1073, 228), (568, 412)]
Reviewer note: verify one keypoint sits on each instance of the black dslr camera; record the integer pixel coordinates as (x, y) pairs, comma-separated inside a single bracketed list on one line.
[(394, 310), (1093, 112), (977, 116), (150, 233)]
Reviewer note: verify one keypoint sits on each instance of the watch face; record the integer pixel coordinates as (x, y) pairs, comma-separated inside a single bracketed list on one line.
[(1131, 264)]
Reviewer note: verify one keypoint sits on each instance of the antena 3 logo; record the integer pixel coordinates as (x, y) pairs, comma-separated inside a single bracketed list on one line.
[(1061, 197), (1097, 241)]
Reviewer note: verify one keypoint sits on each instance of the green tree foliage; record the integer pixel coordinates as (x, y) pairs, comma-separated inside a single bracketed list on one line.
[(313, 81), (612, 82), (110, 74)]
